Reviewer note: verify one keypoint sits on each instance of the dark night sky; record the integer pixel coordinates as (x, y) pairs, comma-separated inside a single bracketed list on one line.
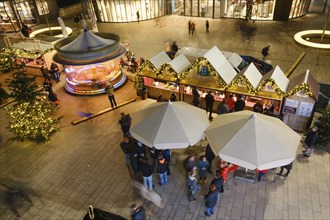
[(64, 3)]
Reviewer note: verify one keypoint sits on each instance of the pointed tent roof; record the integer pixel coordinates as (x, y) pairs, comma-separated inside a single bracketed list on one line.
[(192, 53), (160, 59), (220, 64), (304, 78), (180, 64), (279, 78), (252, 74), (87, 41), (88, 48), (235, 60)]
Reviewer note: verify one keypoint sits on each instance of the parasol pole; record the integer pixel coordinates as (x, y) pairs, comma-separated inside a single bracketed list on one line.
[(44, 11)]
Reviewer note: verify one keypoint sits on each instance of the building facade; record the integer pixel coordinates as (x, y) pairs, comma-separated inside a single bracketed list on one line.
[(15, 12)]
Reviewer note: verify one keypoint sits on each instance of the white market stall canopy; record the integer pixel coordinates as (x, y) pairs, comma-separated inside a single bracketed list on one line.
[(192, 52), (279, 78), (252, 74), (221, 64), (160, 59), (235, 60), (180, 64)]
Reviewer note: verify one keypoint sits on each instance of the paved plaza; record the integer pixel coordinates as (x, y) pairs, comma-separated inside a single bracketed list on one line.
[(84, 165)]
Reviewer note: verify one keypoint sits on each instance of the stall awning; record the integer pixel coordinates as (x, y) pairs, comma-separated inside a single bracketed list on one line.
[(191, 53), (160, 59), (279, 78), (235, 60), (221, 64), (180, 63), (307, 79)]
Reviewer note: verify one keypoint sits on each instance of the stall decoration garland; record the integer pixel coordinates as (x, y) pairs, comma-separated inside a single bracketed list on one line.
[(213, 72), (147, 64), (246, 82), (139, 84), (303, 87), (273, 84)]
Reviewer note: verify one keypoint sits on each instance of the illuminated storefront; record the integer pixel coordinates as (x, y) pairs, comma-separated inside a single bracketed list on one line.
[(128, 10)]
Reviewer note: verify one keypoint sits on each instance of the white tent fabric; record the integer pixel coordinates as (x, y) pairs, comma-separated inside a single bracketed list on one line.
[(192, 51), (235, 59), (253, 140), (87, 41), (160, 59), (180, 63), (252, 74), (221, 64), (169, 125)]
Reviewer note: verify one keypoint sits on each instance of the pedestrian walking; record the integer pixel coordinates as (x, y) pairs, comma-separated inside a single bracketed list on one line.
[(193, 28), (310, 142), (192, 184), (111, 95), (126, 148), (211, 199), (288, 168), (162, 170), (207, 26), (189, 26), (209, 156), (203, 166), (138, 15), (218, 181), (209, 100), (264, 52), (147, 171), (125, 123)]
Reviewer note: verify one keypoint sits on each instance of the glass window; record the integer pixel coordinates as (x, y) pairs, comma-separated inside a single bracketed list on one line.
[(298, 8), (42, 7)]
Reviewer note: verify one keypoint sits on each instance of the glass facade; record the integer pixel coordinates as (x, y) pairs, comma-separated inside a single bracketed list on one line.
[(130, 10)]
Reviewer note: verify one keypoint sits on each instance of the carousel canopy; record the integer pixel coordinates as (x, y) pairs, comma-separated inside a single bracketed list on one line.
[(88, 48), (180, 63), (279, 77), (87, 41), (221, 64), (252, 74), (308, 79), (160, 59)]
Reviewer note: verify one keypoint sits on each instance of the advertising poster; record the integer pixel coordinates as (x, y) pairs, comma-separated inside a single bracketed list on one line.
[(305, 109), (291, 106)]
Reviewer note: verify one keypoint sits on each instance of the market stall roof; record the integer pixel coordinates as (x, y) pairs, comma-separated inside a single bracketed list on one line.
[(160, 59), (221, 64), (191, 53), (180, 63), (307, 79), (88, 48), (279, 78), (235, 60), (252, 74)]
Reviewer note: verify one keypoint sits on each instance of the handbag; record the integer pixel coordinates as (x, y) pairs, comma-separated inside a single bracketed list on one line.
[(99, 214)]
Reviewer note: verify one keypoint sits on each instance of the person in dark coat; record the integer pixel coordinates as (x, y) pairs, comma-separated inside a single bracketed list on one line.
[(310, 141), (134, 161), (239, 104), (218, 181), (147, 171), (55, 70), (126, 148), (211, 199), (192, 184), (196, 97), (209, 156), (265, 52), (223, 108), (162, 170), (209, 100), (173, 98), (125, 122), (138, 212), (288, 168), (189, 163), (25, 30), (167, 155), (258, 107)]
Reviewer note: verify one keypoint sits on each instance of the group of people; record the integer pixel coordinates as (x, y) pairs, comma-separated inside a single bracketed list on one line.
[(191, 27), (202, 168), (48, 75)]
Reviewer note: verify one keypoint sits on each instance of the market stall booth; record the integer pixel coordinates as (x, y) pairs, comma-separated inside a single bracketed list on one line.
[(91, 60), (300, 101)]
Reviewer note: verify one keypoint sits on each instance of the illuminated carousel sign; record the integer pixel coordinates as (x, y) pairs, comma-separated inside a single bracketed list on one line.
[(91, 60)]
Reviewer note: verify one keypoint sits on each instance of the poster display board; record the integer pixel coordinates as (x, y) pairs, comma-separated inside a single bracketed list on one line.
[(291, 106), (305, 109)]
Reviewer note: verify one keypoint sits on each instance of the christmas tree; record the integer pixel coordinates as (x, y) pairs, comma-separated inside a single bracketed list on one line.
[(323, 124), (30, 117)]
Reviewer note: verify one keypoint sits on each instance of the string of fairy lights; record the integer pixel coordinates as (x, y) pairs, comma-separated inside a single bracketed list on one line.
[(202, 61)]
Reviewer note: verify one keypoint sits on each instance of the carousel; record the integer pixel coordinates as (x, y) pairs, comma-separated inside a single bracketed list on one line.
[(90, 61)]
